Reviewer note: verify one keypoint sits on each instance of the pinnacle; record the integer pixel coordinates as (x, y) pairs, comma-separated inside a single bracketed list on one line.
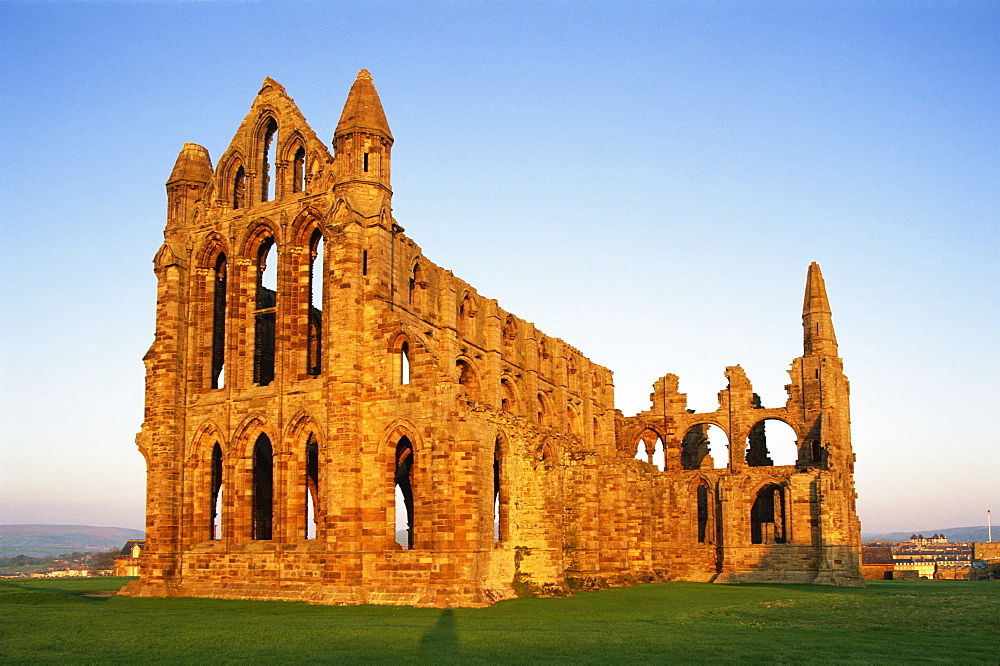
[(819, 338), (815, 297), (363, 109)]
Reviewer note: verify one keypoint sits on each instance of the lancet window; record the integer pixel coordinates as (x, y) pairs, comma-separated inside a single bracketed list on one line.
[(215, 496), (268, 138), (499, 526), (314, 361), (299, 170), (312, 486), (266, 302), (219, 321), (404, 488), (239, 188), (263, 489)]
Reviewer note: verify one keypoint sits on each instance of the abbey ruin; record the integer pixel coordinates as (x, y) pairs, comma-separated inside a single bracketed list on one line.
[(316, 384)]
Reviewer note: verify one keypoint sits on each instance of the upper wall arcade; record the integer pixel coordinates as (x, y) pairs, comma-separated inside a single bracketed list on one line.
[(330, 416)]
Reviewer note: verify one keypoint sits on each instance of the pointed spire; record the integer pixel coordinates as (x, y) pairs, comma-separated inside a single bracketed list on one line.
[(193, 165), (819, 338), (363, 109)]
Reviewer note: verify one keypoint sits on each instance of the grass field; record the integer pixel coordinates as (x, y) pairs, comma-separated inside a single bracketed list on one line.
[(886, 622)]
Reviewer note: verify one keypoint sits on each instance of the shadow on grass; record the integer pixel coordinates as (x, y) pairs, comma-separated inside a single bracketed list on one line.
[(441, 640)]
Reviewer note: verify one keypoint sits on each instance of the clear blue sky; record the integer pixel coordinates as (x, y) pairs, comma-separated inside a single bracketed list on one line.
[(646, 180)]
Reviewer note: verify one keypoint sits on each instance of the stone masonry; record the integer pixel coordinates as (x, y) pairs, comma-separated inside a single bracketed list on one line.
[(314, 379)]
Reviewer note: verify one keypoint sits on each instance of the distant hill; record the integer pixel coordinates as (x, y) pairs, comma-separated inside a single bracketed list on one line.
[(954, 534), (42, 540)]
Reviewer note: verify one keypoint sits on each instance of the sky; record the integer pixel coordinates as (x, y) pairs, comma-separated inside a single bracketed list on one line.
[(648, 181)]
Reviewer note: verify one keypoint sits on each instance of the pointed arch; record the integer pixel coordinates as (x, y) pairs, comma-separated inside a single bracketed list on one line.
[(205, 484), (200, 445), (261, 247), (266, 138), (404, 470), (304, 440), (468, 378), (417, 286), (704, 527), (213, 245), (234, 179), (500, 486), (510, 401), (543, 410), (402, 351), (467, 316), (295, 154), (510, 335), (573, 420), (768, 514), (241, 443)]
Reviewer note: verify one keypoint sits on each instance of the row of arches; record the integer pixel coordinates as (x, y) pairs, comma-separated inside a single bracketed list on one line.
[(540, 409), (771, 442), (766, 521), (245, 306), (266, 170), (252, 490), (511, 335)]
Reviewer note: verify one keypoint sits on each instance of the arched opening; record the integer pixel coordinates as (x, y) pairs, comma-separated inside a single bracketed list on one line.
[(404, 492), (265, 316), (698, 446), (263, 488), (416, 287), (312, 485), (239, 187), (767, 516), (572, 421), (467, 377), (543, 412), (299, 170), (404, 363), (650, 449), (544, 356), (771, 442), (706, 526), (219, 322), (548, 456), (572, 373), (314, 355), (215, 527), (269, 137), (509, 335), (498, 522), (466, 314), (508, 396)]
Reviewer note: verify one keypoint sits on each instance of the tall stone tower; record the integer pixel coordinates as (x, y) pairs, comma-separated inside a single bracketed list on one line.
[(331, 417)]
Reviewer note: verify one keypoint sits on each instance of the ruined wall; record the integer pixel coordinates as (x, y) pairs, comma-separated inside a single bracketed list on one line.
[(310, 362)]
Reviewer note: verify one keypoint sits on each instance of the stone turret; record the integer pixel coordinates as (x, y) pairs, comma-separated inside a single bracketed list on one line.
[(362, 146), (191, 173), (819, 338)]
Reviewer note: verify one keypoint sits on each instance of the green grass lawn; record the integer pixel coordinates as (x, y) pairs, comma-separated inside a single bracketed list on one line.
[(886, 622)]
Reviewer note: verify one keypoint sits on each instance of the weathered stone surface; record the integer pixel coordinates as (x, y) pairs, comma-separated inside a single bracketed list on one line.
[(287, 411)]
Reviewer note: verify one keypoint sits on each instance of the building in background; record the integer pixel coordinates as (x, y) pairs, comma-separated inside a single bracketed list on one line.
[(127, 561)]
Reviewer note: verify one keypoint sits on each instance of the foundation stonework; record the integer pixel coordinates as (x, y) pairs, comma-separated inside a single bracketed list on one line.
[(313, 375)]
